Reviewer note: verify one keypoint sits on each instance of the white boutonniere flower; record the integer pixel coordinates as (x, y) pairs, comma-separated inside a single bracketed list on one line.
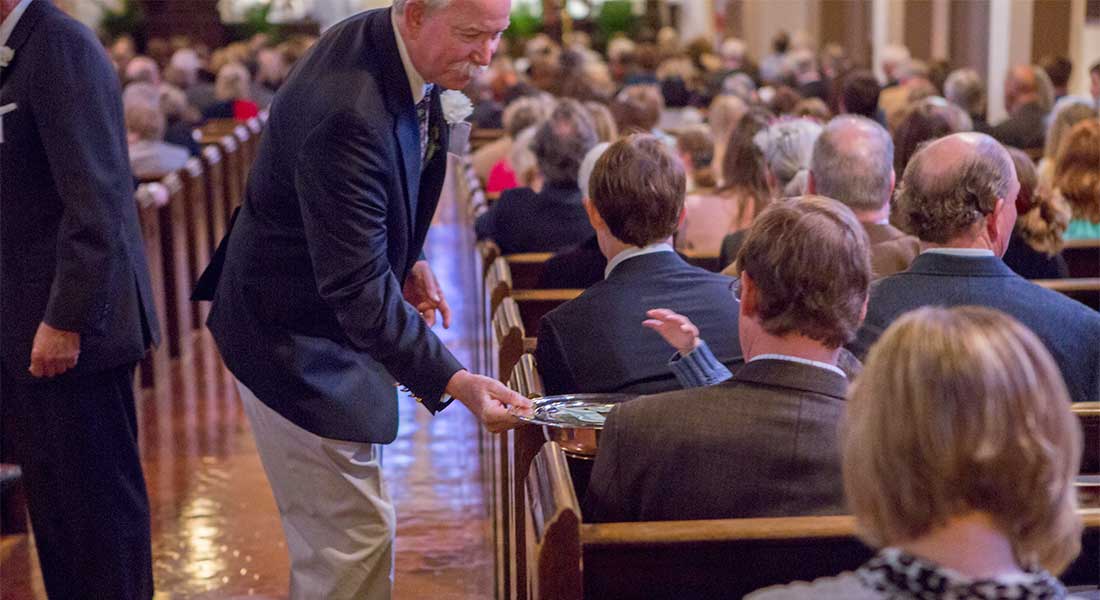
[(6, 55), (456, 106)]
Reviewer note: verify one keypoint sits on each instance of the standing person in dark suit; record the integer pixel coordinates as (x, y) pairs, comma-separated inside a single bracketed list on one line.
[(958, 195), (76, 305), (524, 220), (764, 443), (595, 343), (325, 301)]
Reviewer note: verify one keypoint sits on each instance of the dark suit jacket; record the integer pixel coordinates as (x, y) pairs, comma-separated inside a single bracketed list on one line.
[(576, 267), (525, 221), (309, 312), (1069, 329), (71, 252), (1029, 263), (1023, 129), (762, 444), (596, 342)]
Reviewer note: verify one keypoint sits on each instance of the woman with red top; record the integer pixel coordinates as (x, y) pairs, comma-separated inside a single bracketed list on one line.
[(232, 88)]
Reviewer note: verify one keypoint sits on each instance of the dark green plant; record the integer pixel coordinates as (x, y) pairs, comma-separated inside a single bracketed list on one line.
[(616, 16), (128, 19), (526, 22)]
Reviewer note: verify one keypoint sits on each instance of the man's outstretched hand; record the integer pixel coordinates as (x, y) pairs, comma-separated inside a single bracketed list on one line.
[(488, 399), (423, 291), (676, 329)]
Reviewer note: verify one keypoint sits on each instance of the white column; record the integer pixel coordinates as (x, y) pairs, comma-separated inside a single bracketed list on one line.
[(1009, 44), (887, 26), (696, 19), (941, 28)]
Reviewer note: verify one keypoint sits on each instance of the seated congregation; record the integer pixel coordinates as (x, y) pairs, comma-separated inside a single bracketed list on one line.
[(867, 350)]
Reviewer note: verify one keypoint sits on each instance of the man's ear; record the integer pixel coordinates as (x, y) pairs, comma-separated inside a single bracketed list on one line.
[(414, 17), (749, 300), (594, 217), (893, 182), (811, 185)]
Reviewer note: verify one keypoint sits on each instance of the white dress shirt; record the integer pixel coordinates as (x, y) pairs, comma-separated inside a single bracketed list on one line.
[(417, 85), (969, 252), (633, 251), (13, 18), (800, 360)]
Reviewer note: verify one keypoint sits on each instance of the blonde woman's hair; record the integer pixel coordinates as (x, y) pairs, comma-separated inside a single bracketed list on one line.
[(1041, 216), (961, 410), (1077, 170)]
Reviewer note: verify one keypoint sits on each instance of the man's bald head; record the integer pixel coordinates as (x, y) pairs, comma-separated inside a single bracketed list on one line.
[(1025, 84), (853, 163), (952, 183)]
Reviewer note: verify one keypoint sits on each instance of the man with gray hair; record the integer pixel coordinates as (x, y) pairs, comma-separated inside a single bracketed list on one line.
[(853, 162), (958, 195), (325, 301), (964, 88)]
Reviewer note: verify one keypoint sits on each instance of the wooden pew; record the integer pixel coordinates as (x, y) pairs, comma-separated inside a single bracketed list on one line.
[(527, 268), (233, 179), (178, 321), (710, 262), (480, 137), (724, 558), (1088, 413), (198, 230), (213, 130), (506, 341), (1082, 257), (247, 143), (157, 362), (1085, 290), (487, 251), (213, 163), (534, 304), (523, 444)]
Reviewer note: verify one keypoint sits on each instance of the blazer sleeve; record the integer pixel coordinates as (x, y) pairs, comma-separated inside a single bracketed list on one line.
[(553, 362), (78, 109), (341, 177)]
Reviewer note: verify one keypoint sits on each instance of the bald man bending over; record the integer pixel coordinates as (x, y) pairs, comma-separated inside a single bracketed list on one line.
[(958, 196)]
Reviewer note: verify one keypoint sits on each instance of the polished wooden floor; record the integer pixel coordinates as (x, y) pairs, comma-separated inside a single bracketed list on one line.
[(216, 532)]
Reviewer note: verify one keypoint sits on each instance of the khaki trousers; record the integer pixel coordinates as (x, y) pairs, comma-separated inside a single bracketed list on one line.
[(337, 517)]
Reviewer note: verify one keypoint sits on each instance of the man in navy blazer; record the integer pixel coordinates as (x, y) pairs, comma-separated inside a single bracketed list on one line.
[(324, 301), (958, 195), (76, 304), (596, 342)]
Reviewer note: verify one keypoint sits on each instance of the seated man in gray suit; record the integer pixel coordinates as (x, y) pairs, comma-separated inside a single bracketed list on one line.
[(853, 162), (958, 195), (764, 443)]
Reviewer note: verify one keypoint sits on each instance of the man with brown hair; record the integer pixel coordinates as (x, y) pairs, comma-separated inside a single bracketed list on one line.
[(595, 343), (764, 443)]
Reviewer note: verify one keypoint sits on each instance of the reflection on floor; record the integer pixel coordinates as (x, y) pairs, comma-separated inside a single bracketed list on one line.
[(216, 531)]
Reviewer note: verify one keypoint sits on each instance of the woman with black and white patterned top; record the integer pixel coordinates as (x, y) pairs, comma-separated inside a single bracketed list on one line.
[(959, 455)]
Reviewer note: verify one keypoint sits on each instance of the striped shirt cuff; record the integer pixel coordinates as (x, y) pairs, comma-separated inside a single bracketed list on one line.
[(698, 368)]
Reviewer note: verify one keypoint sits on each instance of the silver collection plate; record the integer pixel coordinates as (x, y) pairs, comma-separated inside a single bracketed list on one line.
[(573, 411)]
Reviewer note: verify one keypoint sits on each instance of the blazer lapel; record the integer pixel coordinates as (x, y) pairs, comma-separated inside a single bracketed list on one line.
[(23, 29), (399, 102)]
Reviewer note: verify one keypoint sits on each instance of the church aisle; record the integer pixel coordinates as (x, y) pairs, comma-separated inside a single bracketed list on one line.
[(216, 531)]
